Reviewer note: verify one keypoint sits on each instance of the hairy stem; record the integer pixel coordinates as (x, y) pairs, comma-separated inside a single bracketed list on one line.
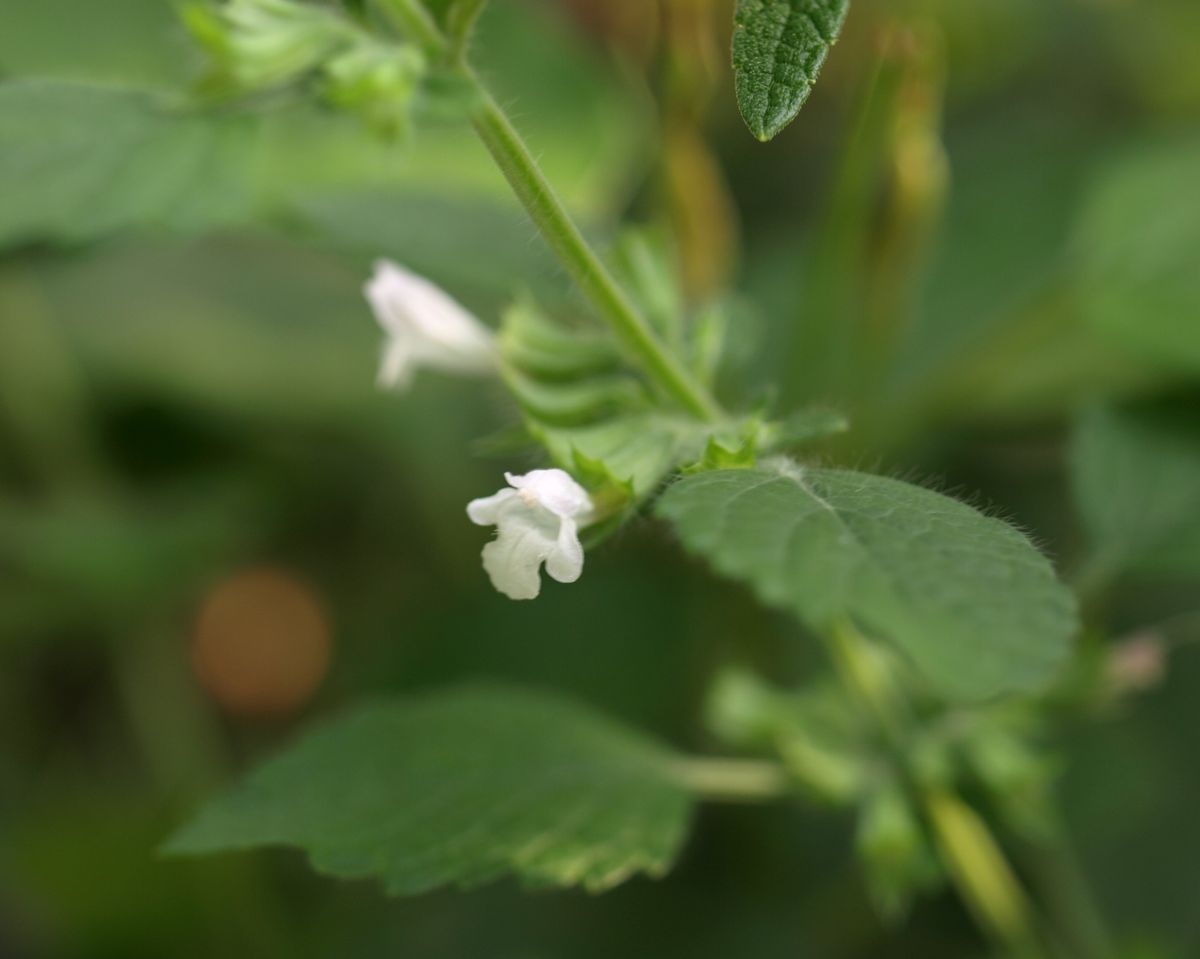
[(412, 19), (581, 262), (512, 156)]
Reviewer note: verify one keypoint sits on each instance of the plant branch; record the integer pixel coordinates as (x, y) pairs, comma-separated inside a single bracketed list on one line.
[(733, 780), (564, 238), (972, 856), (411, 18), (982, 874), (566, 241)]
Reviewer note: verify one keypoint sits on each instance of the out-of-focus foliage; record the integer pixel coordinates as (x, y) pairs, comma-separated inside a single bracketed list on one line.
[(186, 391), (1137, 482), (1137, 239)]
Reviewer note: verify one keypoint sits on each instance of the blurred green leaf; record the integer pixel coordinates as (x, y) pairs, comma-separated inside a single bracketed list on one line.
[(988, 319), (99, 151), (460, 788), (112, 556), (119, 43), (248, 327), (642, 261), (807, 426), (1136, 478), (779, 47), (967, 597), (1137, 240), (93, 160)]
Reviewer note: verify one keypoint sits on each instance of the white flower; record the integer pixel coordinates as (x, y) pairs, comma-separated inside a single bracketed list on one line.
[(537, 521), (425, 327)]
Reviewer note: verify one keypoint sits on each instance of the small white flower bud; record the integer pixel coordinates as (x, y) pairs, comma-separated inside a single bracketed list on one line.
[(425, 327)]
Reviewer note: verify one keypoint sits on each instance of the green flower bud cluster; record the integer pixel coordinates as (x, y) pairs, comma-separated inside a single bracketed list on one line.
[(262, 45), (835, 756), (379, 82), (897, 857)]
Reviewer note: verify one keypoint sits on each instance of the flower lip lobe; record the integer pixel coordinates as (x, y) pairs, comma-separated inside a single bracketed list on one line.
[(537, 522), (425, 326)]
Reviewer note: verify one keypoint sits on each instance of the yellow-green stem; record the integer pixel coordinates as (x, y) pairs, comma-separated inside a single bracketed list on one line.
[(981, 872)]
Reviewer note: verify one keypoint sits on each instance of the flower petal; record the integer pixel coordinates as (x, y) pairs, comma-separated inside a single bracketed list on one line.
[(565, 562), (555, 490), (408, 305), (487, 510), (513, 559), (425, 326), (396, 367)]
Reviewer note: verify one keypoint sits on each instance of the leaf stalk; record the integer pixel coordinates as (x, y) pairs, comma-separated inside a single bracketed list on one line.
[(733, 780)]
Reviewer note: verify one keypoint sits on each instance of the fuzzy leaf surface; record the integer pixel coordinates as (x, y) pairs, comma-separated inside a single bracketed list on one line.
[(968, 598), (779, 47)]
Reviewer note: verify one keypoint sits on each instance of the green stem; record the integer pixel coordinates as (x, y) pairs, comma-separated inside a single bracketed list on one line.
[(867, 677), (585, 267), (413, 20), (561, 234), (732, 780), (982, 874)]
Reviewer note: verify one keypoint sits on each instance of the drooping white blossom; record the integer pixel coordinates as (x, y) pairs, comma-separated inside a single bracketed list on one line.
[(537, 521), (425, 326)]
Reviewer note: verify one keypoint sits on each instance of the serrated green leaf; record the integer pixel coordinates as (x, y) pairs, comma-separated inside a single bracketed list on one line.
[(563, 377), (566, 403), (966, 597), (642, 263), (595, 421), (459, 788), (119, 43), (535, 345), (1137, 241), (1136, 479), (779, 47), (637, 450)]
